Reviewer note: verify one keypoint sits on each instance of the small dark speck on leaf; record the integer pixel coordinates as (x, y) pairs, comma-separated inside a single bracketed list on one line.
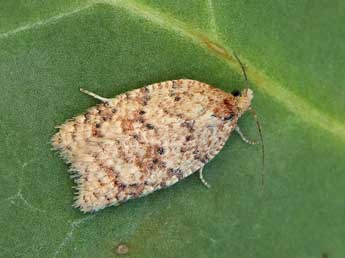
[(325, 255), (121, 249)]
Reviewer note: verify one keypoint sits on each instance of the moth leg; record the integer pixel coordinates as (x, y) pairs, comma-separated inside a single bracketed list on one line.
[(94, 95), (238, 130), (202, 178)]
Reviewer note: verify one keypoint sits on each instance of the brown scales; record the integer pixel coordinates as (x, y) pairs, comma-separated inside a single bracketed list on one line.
[(146, 139)]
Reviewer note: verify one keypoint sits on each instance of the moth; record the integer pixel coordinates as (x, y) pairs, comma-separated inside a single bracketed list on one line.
[(147, 139)]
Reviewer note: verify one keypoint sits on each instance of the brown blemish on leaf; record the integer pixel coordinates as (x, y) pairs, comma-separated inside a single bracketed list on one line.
[(216, 48), (325, 255), (121, 249)]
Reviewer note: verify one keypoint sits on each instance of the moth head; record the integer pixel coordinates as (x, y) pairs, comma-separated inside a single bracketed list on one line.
[(243, 99)]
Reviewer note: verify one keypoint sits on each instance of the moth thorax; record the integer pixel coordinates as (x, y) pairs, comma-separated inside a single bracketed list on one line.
[(244, 100)]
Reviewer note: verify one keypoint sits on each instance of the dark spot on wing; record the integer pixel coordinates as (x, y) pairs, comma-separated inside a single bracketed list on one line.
[(87, 116), (189, 137), (183, 149), (160, 150), (140, 120), (150, 126), (176, 172), (175, 84), (189, 124), (146, 99)]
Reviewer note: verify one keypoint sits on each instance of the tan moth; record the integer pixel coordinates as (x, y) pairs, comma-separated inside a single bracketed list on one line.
[(147, 139)]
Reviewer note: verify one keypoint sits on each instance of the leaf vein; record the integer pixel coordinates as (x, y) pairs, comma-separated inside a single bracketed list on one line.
[(44, 22), (19, 195), (74, 225)]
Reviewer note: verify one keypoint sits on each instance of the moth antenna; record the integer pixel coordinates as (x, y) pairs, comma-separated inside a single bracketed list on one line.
[(258, 126), (243, 70)]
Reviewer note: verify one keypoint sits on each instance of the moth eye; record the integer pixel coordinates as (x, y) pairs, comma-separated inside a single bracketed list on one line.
[(236, 93)]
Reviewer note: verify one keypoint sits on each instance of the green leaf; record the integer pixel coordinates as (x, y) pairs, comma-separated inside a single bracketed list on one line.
[(294, 57)]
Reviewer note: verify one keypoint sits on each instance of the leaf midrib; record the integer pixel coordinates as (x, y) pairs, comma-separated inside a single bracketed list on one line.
[(294, 103)]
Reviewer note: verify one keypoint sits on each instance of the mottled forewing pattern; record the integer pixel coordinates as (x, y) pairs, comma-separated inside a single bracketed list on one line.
[(144, 140)]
